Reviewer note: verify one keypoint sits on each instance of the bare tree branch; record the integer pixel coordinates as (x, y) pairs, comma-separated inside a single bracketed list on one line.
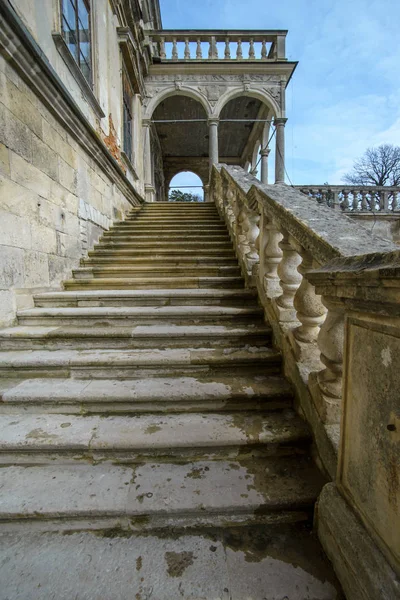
[(378, 166)]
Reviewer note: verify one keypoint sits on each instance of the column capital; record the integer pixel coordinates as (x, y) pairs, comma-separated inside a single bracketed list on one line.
[(146, 122), (213, 121), (265, 151), (281, 121)]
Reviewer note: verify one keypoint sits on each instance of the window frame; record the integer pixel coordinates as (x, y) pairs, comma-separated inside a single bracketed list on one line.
[(78, 56), (128, 95)]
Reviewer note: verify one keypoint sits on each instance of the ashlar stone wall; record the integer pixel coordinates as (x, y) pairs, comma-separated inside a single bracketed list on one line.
[(54, 199)]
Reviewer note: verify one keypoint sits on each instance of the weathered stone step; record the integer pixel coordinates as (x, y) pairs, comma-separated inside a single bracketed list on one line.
[(166, 245), (153, 283), (137, 315), (172, 297), (246, 561), (45, 439), (178, 261), (121, 336), (175, 219), (138, 270), (157, 495), (156, 228), (178, 238), (149, 395), (139, 253), (128, 364)]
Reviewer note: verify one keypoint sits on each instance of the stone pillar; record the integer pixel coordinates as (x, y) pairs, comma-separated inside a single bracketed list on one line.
[(213, 141), (147, 163), (206, 191), (280, 123), (264, 153)]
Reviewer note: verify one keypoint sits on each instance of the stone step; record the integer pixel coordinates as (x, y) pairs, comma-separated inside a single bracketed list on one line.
[(178, 261), (178, 238), (139, 253), (156, 228), (142, 336), (154, 283), (203, 316), (157, 495), (128, 364), (137, 270), (165, 245), (149, 395), (48, 439), (172, 297)]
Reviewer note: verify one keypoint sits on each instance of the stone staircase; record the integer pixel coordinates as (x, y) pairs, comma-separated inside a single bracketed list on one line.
[(147, 395)]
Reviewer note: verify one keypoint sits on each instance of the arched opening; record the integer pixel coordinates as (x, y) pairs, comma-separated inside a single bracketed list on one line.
[(180, 131), (186, 186), (244, 128)]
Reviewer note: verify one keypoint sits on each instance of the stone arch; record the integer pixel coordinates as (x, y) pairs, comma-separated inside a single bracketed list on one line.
[(173, 91), (261, 95), (202, 174)]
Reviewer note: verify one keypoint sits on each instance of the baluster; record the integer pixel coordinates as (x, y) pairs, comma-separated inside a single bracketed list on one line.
[(330, 343), (346, 202), (227, 49), (199, 52), (335, 200), (272, 256), (163, 54), (187, 49), (289, 277), (252, 231), (372, 201), (239, 52), (310, 310), (174, 50), (252, 53), (264, 53), (385, 200), (355, 200), (213, 50), (380, 200), (364, 203)]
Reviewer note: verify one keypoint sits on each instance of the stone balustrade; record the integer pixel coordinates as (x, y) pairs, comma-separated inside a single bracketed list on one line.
[(281, 238), (198, 45), (355, 199)]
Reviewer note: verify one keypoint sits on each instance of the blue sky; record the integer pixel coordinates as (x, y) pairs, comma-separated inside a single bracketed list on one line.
[(345, 92)]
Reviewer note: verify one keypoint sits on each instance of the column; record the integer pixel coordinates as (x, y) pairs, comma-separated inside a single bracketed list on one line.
[(279, 124), (147, 163), (213, 141), (264, 153), (206, 189)]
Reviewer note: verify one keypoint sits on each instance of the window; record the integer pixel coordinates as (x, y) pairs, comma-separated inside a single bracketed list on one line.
[(76, 33), (127, 96)]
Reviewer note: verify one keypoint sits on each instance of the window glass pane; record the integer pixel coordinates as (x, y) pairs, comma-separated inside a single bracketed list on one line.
[(70, 39), (83, 14), (86, 71), (69, 13)]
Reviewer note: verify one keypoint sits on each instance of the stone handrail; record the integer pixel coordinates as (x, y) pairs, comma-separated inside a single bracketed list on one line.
[(356, 199), (199, 45), (280, 237)]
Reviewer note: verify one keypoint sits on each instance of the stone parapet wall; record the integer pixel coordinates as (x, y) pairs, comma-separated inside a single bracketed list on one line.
[(55, 200)]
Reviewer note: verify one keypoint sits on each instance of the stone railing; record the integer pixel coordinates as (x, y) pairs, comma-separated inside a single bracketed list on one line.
[(199, 45), (365, 199), (331, 293), (280, 237)]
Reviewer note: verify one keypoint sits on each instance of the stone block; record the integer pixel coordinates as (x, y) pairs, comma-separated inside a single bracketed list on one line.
[(7, 307), (43, 238), (59, 269), (44, 158), (11, 267), (14, 231), (20, 104), (66, 175), (36, 269), (17, 200), (53, 137), (29, 176), (68, 246), (4, 161), (15, 134)]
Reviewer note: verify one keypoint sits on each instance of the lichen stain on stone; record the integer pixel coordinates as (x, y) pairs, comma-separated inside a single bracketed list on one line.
[(139, 563), (386, 357), (152, 429), (252, 426), (178, 562), (40, 434), (196, 473)]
